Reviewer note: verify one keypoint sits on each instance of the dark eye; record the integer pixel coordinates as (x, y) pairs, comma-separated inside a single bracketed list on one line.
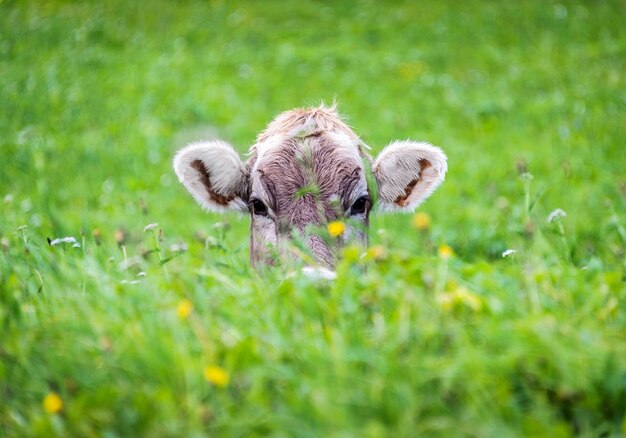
[(258, 207), (360, 206)]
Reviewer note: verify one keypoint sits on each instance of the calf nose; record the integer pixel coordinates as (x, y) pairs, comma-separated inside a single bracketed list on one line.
[(321, 251), (307, 211)]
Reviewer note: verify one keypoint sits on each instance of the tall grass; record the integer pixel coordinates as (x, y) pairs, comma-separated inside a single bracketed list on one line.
[(152, 323)]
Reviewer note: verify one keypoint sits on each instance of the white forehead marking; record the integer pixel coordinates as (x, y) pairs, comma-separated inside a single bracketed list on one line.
[(348, 145), (342, 140), (263, 147)]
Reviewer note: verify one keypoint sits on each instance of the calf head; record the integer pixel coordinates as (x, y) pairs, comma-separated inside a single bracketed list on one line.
[(309, 168)]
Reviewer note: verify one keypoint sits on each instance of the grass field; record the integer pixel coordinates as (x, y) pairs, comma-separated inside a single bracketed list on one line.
[(432, 332)]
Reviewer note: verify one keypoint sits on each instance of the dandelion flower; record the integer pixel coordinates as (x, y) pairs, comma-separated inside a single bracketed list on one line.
[(336, 228), (421, 221), (52, 403), (469, 299), (184, 309), (445, 251), (445, 301), (376, 252), (216, 375), (461, 297)]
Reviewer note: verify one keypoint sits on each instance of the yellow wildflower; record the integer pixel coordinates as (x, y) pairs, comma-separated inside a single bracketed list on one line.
[(52, 403), (352, 254), (460, 297), (445, 301), (216, 375), (376, 252), (470, 299), (609, 309), (411, 69), (336, 228), (184, 309), (421, 221), (445, 251)]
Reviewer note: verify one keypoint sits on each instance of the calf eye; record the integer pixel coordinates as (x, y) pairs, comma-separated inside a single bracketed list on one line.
[(257, 207), (360, 206)]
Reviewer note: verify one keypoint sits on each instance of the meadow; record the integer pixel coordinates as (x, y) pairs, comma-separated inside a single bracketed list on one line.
[(497, 310)]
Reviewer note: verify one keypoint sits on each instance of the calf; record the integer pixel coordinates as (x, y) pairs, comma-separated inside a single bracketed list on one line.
[(307, 169)]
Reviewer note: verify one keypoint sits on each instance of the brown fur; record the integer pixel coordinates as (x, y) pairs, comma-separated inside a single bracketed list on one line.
[(321, 119), (309, 172), (206, 181), (326, 173)]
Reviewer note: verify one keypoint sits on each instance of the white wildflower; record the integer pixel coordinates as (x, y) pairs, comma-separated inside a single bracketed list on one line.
[(221, 225), (150, 227), (76, 245), (141, 274), (556, 215), (527, 176), (319, 273), (508, 253), (178, 247), (60, 240), (130, 282), (210, 242), (129, 263)]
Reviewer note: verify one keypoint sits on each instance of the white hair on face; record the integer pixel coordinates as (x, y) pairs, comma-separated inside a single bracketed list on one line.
[(407, 173), (309, 127), (265, 146), (223, 170), (348, 144), (303, 122)]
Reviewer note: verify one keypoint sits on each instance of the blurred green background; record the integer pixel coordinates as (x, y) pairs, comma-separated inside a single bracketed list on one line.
[(97, 96)]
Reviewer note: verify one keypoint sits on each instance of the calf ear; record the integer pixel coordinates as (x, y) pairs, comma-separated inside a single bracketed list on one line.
[(407, 173), (214, 175)]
